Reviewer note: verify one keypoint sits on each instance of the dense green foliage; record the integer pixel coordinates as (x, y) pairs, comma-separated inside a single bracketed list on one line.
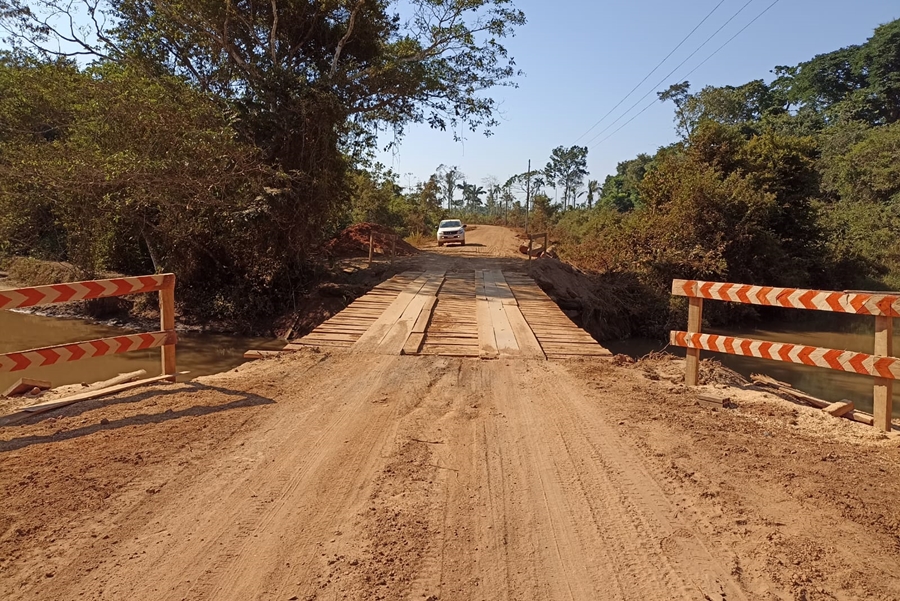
[(227, 141)]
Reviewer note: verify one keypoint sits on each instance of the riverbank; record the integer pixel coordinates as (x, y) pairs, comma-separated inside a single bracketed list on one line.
[(338, 285)]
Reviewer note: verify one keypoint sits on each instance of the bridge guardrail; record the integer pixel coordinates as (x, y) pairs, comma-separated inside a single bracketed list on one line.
[(35, 296), (880, 365), (532, 238)]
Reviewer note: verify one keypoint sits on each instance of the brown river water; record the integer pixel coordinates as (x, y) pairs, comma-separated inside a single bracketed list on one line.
[(198, 354), (844, 332)]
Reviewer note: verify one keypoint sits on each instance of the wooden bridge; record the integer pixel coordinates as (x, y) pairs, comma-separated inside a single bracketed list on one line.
[(486, 314)]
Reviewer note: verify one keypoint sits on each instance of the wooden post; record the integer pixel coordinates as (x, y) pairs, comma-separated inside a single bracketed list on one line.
[(884, 388), (167, 323), (371, 246), (692, 360), (393, 249), (530, 244)]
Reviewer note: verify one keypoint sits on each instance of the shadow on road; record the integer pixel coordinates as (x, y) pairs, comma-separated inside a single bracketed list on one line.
[(244, 400)]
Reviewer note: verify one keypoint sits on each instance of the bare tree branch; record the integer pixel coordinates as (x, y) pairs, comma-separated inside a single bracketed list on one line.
[(345, 39)]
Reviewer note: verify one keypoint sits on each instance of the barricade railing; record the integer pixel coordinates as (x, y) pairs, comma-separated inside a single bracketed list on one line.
[(36, 296), (532, 238), (880, 365)]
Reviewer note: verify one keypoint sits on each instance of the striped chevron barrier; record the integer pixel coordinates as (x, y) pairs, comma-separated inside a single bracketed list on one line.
[(84, 350), (860, 363), (78, 291), (842, 302)]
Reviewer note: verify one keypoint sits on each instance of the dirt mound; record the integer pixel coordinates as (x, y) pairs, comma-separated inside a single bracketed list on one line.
[(609, 306), (354, 242)]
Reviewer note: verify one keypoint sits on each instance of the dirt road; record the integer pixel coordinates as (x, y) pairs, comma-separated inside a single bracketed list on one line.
[(336, 476)]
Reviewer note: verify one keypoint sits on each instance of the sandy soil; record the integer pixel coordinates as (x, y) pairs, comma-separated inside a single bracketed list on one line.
[(320, 476)]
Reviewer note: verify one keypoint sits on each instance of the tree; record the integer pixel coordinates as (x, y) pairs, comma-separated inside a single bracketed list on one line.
[(305, 81), (471, 196), (622, 190), (566, 169), (593, 189), (449, 179)]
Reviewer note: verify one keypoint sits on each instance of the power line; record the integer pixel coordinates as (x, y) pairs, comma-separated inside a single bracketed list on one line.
[(644, 110), (646, 77), (681, 64), (731, 39)]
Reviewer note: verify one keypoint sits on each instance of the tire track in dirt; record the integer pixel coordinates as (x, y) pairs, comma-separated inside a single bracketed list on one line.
[(671, 556), (256, 533)]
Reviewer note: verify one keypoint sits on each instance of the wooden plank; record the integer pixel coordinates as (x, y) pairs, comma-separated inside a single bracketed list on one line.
[(839, 409), (61, 353), (421, 325), (167, 324), (413, 344), (599, 352), (369, 341), (255, 354), (883, 391), (449, 341), (322, 336), (849, 361), (84, 396), (36, 296), (23, 385), (495, 287), (709, 401), (527, 342), (300, 344), (459, 351), (395, 339), (487, 342), (503, 332), (692, 361)]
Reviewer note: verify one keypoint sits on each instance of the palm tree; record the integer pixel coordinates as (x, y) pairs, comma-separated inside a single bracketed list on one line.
[(593, 188)]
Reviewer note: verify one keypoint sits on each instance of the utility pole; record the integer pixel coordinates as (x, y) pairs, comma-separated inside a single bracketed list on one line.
[(527, 195)]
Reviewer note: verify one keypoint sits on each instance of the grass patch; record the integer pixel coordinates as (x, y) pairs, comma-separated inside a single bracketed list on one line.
[(34, 272), (417, 239)]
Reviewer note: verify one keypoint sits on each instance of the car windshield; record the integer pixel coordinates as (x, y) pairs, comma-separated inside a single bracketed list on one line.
[(451, 224)]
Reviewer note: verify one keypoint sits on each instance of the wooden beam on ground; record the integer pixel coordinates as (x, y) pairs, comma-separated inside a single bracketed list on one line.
[(84, 396), (23, 385), (254, 354), (839, 409)]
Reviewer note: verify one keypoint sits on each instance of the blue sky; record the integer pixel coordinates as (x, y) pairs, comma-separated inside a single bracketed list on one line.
[(582, 57)]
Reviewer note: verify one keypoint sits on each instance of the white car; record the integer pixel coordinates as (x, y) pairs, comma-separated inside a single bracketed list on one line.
[(451, 230)]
